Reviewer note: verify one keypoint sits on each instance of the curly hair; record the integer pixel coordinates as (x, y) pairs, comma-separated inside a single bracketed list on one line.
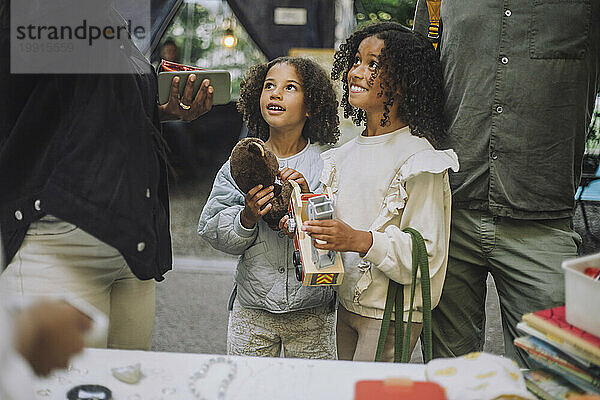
[(322, 125), (410, 73)]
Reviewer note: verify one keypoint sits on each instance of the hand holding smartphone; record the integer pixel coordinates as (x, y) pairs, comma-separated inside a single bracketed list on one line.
[(220, 80)]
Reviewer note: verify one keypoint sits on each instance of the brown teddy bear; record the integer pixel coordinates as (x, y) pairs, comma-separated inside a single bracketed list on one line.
[(251, 164)]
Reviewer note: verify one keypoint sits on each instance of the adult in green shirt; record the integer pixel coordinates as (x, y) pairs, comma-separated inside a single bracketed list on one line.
[(520, 82)]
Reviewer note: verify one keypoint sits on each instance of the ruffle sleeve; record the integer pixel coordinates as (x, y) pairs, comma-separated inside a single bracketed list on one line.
[(328, 176), (432, 161), (393, 202)]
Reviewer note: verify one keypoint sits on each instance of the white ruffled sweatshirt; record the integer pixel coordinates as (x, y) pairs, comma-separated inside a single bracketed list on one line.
[(384, 184)]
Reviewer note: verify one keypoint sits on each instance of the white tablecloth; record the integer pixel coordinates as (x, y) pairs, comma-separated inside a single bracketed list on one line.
[(167, 375)]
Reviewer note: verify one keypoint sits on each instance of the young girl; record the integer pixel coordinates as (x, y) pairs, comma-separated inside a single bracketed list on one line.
[(388, 178), (290, 104)]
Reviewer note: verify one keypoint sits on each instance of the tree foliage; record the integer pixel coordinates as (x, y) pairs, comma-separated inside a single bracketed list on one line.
[(198, 31), (401, 11)]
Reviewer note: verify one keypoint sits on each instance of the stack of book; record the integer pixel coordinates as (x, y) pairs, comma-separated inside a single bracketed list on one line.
[(568, 358)]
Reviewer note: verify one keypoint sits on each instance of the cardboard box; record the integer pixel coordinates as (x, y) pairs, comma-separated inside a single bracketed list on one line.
[(582, 294)]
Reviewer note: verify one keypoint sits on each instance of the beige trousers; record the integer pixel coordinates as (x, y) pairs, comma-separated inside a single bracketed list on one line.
[(306, 333), (58, 258), (357, 337)]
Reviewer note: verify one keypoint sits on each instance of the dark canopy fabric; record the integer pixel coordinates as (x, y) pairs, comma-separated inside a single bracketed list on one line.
[(257, 17), (161, 13)]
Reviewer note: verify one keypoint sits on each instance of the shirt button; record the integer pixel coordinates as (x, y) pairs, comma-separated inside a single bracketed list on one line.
[(18, 215), (281, 270), (504, 60), (494, 155), (499, 109), (148, 193), (141, 246), (508, 13), (37, 205)]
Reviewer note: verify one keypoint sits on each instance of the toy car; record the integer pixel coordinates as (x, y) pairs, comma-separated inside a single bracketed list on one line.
[(314, 267)]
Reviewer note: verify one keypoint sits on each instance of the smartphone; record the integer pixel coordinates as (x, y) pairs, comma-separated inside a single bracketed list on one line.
[(219, 80)]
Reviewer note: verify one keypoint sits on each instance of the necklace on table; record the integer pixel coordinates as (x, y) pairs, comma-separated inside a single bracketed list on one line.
[(199, 375)]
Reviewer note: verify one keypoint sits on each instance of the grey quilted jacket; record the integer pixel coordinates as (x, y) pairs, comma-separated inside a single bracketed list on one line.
[(265, 276)]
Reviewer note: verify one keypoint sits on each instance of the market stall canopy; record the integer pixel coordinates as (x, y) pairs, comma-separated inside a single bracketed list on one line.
[(278, 25), (274, 25)]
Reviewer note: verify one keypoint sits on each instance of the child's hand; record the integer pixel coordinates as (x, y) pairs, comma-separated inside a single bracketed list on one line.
[(255, 207), (284, 226), (288, 173), (338, 236)]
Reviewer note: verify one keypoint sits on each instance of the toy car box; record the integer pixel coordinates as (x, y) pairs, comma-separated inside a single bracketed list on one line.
[(314, 267)]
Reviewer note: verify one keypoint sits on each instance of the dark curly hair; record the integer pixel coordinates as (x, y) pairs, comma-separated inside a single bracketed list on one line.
[(408, 67), (322, 125)]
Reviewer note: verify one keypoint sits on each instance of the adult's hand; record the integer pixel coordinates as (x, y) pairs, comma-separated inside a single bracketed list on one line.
[(187, 108), (49, 333)]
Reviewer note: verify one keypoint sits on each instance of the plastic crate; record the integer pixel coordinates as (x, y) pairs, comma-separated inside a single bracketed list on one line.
[(582, 294)]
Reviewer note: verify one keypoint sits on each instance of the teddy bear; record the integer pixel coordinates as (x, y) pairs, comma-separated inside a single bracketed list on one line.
[(251, 164)]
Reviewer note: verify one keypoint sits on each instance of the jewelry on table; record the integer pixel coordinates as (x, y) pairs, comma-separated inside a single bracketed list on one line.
[(71, 369), (43, 392), (202, 374), (169, 391), (130, 374), (89, 392)]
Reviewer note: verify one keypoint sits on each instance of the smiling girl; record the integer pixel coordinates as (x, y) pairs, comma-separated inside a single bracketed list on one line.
[(290, 104), (390, 177)]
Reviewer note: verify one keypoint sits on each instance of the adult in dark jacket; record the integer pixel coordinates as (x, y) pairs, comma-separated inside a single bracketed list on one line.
[(520, 81), (83, 186)]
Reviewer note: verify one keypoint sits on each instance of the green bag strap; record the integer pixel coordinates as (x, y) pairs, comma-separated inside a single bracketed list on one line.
[(392, 297), (420, 255), (395, 299)]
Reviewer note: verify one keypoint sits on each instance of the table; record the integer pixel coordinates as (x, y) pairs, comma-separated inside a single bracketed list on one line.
[(166, 376)]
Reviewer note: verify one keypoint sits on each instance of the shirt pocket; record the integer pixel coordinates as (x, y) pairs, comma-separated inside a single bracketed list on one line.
[(559, 29), (255, 250)]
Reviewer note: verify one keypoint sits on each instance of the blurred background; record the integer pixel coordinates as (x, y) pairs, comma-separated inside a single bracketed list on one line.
[(233, 35)]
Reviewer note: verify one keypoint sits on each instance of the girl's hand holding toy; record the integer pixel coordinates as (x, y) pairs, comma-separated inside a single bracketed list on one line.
[(284, 226), (338, 236), (291, 174), (288, 173), (255, 207)]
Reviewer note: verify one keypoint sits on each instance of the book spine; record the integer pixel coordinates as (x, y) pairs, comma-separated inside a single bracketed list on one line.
[(539, 392), (553, 330), (575, 380), (564, 366)]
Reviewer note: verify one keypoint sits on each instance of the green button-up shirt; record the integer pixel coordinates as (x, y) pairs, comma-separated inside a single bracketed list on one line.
[(520, 82)]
